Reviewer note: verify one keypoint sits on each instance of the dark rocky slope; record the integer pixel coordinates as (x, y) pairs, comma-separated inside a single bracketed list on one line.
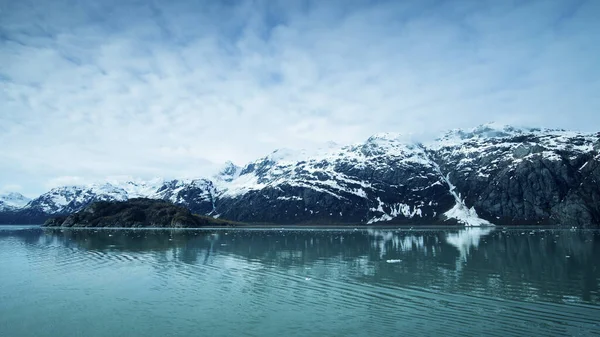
[(380, 181), (526, 178), (134, 213)]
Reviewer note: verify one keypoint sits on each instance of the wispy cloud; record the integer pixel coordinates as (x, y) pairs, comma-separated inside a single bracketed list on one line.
[(172, 88)]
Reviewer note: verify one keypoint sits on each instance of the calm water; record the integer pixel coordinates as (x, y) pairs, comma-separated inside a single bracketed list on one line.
[(301, 282)]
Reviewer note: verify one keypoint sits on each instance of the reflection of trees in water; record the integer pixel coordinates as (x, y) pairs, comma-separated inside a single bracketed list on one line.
[(547, 264)]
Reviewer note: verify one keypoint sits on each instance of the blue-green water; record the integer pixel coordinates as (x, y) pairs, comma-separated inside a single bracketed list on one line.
[(299, 282)]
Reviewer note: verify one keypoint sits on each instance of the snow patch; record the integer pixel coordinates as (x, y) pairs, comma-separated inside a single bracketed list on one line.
[(289, 198), (396, 210), (466, 216), (460, 212)]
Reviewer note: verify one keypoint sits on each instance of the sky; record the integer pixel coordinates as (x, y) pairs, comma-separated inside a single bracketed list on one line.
[(121, 88)]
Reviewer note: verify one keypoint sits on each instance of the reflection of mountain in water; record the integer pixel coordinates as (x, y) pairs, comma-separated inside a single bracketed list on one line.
[(384, 240), (467, 238), (554, 265)]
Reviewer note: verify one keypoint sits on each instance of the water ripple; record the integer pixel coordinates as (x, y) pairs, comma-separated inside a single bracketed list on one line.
[(260, 283)]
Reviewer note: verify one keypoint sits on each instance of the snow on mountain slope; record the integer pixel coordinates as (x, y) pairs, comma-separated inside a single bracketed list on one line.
[(492, 174), (70, 199), (228, 172), (196, 194), (325, 169), (13, 200), (381, 179), (516, 143), (484, 151), (137, 188), (489, 174), (520, 175)]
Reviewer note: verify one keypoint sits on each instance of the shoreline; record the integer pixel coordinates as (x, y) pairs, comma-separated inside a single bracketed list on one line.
[(306, 227)]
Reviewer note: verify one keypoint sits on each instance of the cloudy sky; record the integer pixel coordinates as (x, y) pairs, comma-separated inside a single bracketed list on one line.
[(95, 89)]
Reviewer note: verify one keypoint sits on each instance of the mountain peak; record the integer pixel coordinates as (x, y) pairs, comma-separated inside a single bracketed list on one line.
[(483, 131), (498, 130), (287, 155), (14, 199), (388, 136), (12, 195), (495, 130), (228, 171)]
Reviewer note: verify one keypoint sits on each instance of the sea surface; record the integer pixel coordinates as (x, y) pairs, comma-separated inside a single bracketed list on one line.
[(299, 282)]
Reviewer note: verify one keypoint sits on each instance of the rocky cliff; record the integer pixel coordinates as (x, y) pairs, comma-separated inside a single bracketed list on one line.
[(488, 175)]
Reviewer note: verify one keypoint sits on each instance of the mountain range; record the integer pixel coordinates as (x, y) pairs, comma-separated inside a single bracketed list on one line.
[(489, 175)]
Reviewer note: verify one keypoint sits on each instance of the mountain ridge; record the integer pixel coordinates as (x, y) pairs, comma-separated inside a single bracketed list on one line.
[(491, 174)]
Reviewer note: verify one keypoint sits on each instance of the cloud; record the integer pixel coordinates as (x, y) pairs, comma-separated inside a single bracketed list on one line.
[(96, 89), (64, 181), (10, 188)]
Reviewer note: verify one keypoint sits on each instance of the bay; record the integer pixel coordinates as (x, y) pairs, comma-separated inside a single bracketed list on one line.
[(299, 282)]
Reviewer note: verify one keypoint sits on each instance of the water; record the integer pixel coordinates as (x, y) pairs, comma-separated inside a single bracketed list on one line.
[(299, 282)]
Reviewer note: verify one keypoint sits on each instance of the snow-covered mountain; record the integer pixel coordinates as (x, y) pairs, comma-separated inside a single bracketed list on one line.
[(196, 194), (136, 188), (68, 199), (488, 175), (12, 201), (378, 180), (524, 175)]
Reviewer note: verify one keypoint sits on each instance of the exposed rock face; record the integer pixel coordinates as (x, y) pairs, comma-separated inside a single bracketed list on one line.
[(197, 195), (498, 175), (135, 213), (380, 180), (528, 177)]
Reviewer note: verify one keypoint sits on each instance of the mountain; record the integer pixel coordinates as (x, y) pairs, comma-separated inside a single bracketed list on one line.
[(491, 174), (198, 195), (12, 201), (137, 188), (524, 176), (69, 199), (379, 180)]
